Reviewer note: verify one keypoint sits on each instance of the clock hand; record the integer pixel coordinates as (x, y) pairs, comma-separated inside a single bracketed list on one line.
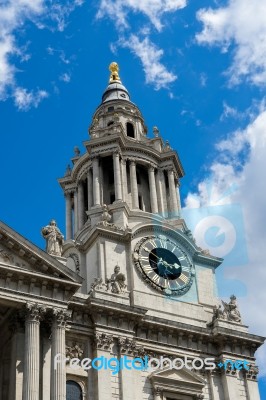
[(148, 251)]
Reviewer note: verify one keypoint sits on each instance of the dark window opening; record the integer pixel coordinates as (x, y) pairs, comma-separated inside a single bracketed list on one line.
[(112, 198), (130, 130), (166, 180), (73, 391), (140, 203), (111, 177), (138, 177), (110, 123), (110, 109)]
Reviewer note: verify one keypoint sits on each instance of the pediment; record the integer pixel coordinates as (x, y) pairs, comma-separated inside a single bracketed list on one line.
[(182, 383), (21, 257), (183, 376)]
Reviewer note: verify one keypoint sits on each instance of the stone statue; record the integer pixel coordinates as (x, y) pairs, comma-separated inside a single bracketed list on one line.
[(76, 151), (155, 131), (117, 281), (106, 216), (54, 239), (218, 313), (231, 312)]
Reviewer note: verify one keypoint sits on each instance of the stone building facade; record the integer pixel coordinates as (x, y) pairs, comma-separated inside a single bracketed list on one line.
[(127, 281)]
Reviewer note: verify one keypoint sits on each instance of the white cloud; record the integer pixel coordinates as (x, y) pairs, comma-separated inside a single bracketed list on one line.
[(242, 25), (118, 10), (65, 77), (229, 112), (150, 56), (203, 79), (60, 11), (251, 196), (25, 99), (13, 15)]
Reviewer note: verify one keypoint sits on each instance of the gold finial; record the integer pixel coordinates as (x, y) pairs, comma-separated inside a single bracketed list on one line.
[(114, 68)]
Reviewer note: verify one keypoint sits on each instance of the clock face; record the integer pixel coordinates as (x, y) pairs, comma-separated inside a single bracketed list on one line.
[(164, 264)]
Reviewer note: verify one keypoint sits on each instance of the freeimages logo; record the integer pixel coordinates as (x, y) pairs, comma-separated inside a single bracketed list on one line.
[(220, 229)]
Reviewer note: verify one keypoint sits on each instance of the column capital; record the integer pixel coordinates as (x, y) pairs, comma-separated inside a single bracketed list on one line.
[(117, 153), (68, 192), (132, 161), (103, 341), (34, 312), (129, 346), (61, 316), (170, 170)]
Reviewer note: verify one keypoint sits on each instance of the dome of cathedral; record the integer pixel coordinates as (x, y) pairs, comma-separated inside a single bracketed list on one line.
[(115, 91)]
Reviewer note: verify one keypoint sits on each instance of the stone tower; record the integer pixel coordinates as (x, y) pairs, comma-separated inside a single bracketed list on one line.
[(152, 290), (129, 286)]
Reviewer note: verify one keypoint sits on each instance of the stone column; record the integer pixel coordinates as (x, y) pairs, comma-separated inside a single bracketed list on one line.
[(96, 181), (46, 362), (90, 189), (31, 377), (134, 185), (164, 193), (58, 371), (178, 199), (68, 216), (76, 211), (81, 205), (117, 176), (172, 192), (153, 192), (16, 326), (124, 179)]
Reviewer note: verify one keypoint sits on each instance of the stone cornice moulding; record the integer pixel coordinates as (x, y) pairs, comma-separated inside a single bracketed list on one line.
[(86, 239), (136, 147)]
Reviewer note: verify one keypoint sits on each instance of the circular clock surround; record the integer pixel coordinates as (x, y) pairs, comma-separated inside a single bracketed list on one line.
[(164, 265)]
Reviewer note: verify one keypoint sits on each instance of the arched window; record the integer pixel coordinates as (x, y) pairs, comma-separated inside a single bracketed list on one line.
[(130, 130), (73, 391), (110, 123)]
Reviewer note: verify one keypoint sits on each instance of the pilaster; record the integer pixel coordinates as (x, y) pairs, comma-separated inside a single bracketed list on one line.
[(130, 380), (103, 343)]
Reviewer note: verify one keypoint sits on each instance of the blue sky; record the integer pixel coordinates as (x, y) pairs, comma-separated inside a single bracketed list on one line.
[(197, 72)]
